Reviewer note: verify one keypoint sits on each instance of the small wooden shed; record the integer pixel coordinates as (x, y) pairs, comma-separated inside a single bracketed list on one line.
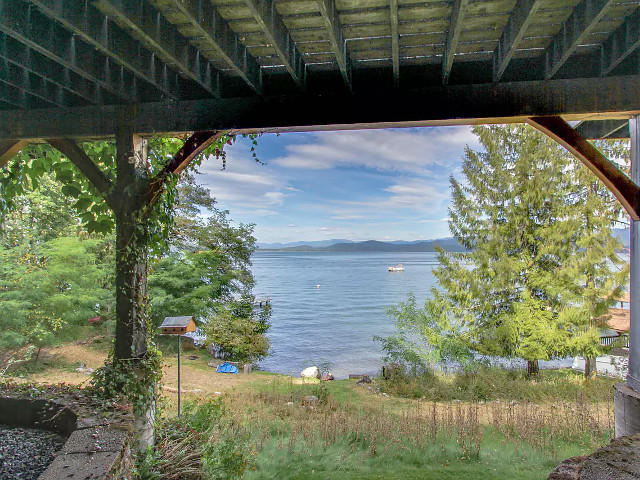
[(178, 325)]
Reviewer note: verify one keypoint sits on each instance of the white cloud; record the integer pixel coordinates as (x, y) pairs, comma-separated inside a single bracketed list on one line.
[(385, 150), (244, 184)]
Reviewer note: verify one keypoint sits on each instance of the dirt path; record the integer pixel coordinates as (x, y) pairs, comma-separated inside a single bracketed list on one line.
[(195, 374)]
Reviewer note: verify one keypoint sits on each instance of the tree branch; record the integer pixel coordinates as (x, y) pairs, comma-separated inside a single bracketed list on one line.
[(81, 160)]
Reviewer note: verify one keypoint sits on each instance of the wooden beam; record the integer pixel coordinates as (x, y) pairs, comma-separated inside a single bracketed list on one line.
[(39, 87), (267, 17), (13, 96), (93, 31), (193, 146), (395, 42), (25, 24), (329, 13), (521, 17), (574, 31), (103, 183), (31, 61), (453, 36), (163, 38), (623, 188), (9, 149), (214, 32), (601, 129), (624, 40), (438, 105)]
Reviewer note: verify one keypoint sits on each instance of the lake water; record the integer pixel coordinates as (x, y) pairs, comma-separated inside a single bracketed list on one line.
[(336, 322)]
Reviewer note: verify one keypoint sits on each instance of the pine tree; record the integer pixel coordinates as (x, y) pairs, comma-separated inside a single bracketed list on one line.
[(536, 271)]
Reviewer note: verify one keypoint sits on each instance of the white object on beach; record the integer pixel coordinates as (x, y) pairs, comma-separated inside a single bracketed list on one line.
[(310, 372)]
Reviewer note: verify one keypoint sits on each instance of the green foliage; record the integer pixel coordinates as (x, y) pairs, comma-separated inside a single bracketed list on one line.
[(541, 264), (239, 330), (134, 380), (201, 445), (491, 383), (51, 288)]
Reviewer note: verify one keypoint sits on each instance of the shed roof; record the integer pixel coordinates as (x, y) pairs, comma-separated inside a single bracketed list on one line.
[(177, 321), (258, 64), (619, 320)]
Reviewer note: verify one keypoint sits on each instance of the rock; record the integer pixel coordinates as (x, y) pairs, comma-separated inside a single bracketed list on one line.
[(289, 403), (310, 400), (212, 363), (327, 377), (311, 372), (82, 368), (193, 357), (364, 379)]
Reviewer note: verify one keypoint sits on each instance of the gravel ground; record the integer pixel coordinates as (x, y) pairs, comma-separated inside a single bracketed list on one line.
[(26, 452)]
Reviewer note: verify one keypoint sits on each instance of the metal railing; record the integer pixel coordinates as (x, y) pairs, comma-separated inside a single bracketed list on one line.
[(615, 341)]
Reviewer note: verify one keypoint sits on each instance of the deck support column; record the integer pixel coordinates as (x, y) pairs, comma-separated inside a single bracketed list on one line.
[(627, 396)]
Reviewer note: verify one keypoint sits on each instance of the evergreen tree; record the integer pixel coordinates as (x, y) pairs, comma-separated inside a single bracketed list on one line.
[(537, 268)]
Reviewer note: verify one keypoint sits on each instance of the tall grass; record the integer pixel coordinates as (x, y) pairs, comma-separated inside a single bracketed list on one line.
[(339, 439)]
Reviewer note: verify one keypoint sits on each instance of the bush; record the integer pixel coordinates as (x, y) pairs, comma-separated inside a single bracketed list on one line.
[(493, 383), (201, 445)]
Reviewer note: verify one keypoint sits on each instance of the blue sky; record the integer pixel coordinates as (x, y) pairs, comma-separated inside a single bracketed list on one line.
[(356, 185)]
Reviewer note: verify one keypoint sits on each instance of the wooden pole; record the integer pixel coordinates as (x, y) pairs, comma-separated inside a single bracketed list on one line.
[(179, 348)]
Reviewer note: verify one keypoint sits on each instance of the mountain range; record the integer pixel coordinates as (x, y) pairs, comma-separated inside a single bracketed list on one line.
[(343, 245), (338, 245)]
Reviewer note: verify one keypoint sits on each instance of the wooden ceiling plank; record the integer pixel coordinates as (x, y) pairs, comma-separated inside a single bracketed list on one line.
[(583, 19), (329, 13), (395, 41), (84, 21), (267, 17), (18, 21), (203, 17), (622, 42), (453, 36), (22, 56), (521, 17), (37, 86), (13, 96), (163, 38)]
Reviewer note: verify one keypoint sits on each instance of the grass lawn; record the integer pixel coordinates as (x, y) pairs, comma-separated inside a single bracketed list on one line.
[(260, 426)]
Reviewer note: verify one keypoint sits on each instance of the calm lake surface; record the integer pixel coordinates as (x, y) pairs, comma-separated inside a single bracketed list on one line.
[(336, 322)]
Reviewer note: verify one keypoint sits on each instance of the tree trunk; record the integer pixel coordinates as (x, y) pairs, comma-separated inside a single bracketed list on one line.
[(590, 367), (532, 368), (132, 232), (131, 247)]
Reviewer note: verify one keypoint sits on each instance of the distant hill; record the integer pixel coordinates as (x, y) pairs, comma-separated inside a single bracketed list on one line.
[(312, 244), (449, 243)]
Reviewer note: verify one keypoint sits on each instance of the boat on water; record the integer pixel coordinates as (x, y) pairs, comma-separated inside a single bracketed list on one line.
[(396, 268)]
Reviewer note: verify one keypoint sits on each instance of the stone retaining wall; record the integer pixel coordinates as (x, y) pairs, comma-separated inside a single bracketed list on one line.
[(620, 460), (99, 443)]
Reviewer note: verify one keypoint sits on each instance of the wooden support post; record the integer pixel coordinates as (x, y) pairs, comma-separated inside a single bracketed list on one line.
[(625, 189), (9, 149)]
